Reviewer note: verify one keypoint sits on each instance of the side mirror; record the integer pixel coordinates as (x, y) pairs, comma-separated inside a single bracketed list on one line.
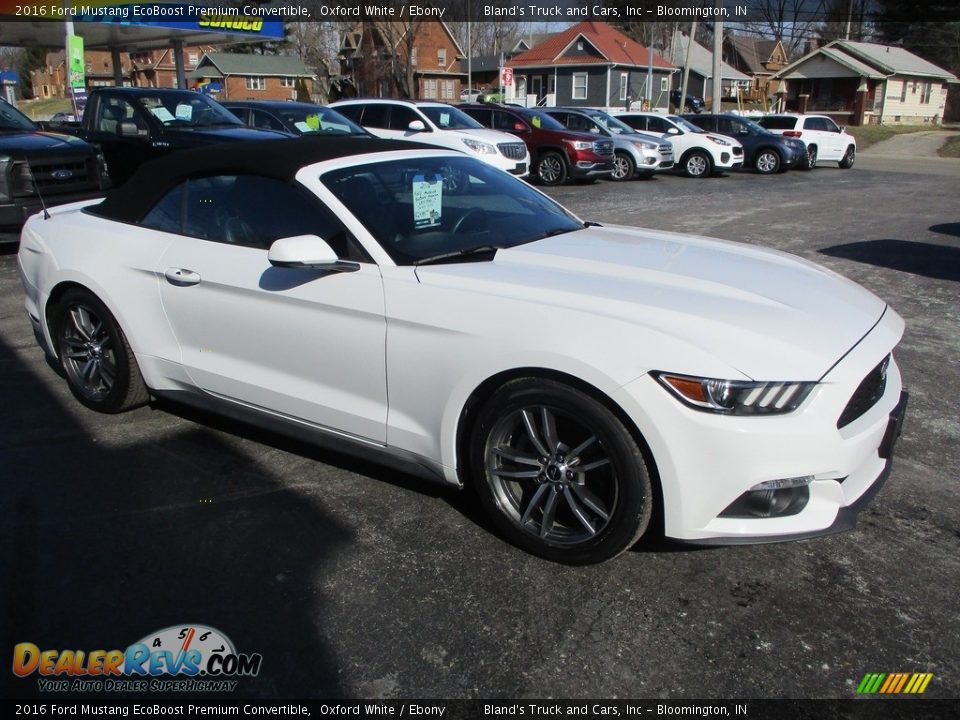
[(673, 131), (843, 129), (129, 129), (520, 127), (416, 126), (307, 251)]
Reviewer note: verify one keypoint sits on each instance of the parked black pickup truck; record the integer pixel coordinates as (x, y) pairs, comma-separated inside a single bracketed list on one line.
[(32, 162), (133, 125)]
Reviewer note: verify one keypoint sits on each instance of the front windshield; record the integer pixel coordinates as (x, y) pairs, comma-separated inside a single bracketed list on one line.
[(611, 123), (685, 125), (447, 117), (543, 121), (318, 120), (187, 109), (428, 208), (13, 119)]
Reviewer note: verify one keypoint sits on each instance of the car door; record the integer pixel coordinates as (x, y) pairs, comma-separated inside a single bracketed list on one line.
[(816, 132), (302, 343), (836, 139), (123, 133)]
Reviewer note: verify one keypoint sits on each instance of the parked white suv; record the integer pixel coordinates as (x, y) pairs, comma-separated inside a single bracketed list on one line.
[(695, 151), (438, 124), (825, 140)]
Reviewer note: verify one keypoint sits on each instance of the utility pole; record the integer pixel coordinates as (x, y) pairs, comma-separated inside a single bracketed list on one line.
[(469, 52), (715, 105), (686, 67)]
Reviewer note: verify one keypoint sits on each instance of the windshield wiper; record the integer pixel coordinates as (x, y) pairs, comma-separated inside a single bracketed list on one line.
[(460, 254), (591, 223), (559, 231)]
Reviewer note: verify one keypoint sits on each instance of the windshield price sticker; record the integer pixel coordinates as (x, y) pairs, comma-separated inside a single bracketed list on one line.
[(427, 201), (184, 112), (161, 113)]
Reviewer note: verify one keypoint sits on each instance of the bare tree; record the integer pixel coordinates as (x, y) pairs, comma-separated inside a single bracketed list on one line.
[(792, 22)]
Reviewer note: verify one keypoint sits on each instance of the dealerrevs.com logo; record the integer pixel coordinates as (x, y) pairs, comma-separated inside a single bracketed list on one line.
[(180, 658)]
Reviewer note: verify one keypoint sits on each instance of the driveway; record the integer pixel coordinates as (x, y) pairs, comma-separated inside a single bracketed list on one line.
[(911, 145)]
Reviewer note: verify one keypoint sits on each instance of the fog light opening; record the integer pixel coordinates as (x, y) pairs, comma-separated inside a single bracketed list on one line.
[(770, 499)]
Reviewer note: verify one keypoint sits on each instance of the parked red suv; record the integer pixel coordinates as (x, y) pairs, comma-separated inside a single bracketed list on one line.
[(556, 153)]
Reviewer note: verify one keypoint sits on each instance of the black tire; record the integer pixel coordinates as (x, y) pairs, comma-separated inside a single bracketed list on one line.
[(100, 367), (560, 513), (767, 161), (552, 169), (846, 162), (623, 167), (697, 164), (811, 157)]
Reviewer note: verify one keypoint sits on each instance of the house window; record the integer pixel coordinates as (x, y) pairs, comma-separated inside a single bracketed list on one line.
[(46, 91), (579, 86), (903, 91), (664, 84), (255, 82), (624, 85), (446, 89), (288, 82), (579, 44), (430, 89), (927, 92), (442, 57), (413, 57)]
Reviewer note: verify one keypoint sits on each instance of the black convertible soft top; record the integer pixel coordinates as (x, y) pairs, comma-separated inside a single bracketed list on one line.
[(280, 159)]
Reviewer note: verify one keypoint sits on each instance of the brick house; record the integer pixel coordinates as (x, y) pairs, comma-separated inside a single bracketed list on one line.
[(399, 59), (231, 76)]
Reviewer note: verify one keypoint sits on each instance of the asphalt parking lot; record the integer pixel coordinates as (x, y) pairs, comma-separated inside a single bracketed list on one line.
[(353, 580)]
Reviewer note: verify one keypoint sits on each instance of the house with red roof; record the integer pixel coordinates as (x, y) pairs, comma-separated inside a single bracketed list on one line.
[(590, 64)]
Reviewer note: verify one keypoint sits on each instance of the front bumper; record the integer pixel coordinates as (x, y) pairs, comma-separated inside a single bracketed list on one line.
[(586, 169), (707, 462), (520, 168)]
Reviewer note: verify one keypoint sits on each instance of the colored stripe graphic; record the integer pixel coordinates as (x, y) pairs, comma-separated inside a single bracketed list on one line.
[(894, 683)]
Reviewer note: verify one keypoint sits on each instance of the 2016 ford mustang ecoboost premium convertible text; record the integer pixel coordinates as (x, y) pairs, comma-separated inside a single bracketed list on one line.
[(418, 304)]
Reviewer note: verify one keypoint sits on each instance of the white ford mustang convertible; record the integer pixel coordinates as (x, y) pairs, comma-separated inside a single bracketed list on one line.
[(419, 306)]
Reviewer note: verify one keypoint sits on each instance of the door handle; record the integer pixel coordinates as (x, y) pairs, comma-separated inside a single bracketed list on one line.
[(181, 277)]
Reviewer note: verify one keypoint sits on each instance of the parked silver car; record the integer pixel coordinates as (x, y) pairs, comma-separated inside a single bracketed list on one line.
[(636, 154)]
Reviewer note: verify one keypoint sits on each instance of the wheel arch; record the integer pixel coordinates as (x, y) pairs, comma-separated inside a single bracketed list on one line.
[(485, 390)]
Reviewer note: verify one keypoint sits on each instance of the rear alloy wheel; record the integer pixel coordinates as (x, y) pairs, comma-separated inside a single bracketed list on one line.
[(552, 169), (101, 369), (697, 164), (849, 157), (811, 157), (559, 474), (767, 162), (623, 167)]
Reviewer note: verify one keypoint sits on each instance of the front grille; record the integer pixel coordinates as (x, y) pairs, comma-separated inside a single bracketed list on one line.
[(868, 392), (53, 177), (737, 151), (513, 151), (603, 147), (666, 149)]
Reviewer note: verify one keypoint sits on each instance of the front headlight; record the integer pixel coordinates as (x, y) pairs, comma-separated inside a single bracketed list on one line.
[(580, 144), (480, 147), (719, 140), (641, 145), (736, 397)]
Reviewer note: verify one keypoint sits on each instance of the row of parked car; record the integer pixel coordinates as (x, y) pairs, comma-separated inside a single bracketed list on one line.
[(124, 127)]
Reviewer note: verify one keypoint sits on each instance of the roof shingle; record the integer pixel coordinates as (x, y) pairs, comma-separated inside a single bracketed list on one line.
[(611, 43)]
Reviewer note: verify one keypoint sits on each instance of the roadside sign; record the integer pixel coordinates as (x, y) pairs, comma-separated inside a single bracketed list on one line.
[(506, 76)]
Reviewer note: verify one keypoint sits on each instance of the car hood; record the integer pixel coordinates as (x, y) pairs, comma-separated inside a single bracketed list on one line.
[(17, 143), (769, 315), (221, 134)]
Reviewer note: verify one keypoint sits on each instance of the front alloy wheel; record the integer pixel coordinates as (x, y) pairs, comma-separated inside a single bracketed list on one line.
[(623, 167), (697, 165), (767, 162), (559, 473), (552, 170), (101, 369)]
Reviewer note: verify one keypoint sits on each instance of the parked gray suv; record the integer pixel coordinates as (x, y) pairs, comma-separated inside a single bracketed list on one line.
[(636, 154)]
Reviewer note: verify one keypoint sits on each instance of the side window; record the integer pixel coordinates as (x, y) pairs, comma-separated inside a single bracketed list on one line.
[(507, 122), (401, 116), (265, 120), (481, 116), (375, 116), (253, 211), (114, 111), (167, 215), (657, 124), (815, 124), (351, 111), (831, 126), (726, 126), (242, 113)]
